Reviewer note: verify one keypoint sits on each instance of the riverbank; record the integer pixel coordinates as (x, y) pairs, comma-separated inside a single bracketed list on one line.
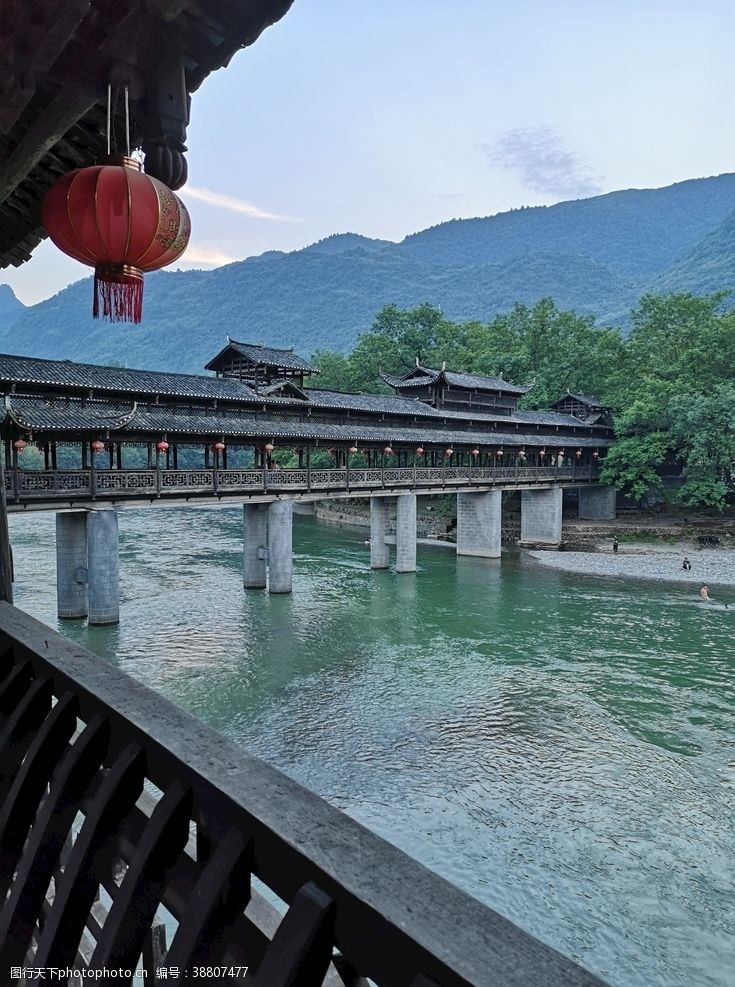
[(716, 567)]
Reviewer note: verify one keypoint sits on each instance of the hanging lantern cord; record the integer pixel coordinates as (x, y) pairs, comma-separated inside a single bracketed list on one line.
[(109, 117), (127, 122)]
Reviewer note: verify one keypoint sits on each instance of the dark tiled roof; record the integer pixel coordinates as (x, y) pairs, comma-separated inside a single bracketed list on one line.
[(156, 419), (263, 356), (66, 373), (378, 403), (589, 399), (454, 379), (37, 414)]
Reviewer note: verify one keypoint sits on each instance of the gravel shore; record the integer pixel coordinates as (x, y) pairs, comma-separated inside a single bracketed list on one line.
[(712, 566)]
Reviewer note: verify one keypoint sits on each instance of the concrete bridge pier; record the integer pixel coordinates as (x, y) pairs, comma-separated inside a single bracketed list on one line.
[(103, 567), (280, 546), (71, 565), (406, 532), (541, 517), (255, 551), (597, 503), (479, 517), (379, 550)]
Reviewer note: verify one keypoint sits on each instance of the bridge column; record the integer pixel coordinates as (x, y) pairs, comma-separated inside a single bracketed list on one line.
[(280, 546), (255, 551), (597, 503), (379, 550), (541, 516), (406, 532), (478, 523), (71, 565), (103, 567)]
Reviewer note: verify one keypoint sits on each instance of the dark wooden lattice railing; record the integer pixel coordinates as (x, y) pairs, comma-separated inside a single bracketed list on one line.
[(133, 836)]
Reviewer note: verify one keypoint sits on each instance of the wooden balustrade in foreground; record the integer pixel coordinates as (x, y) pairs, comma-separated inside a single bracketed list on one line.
[(123, 817)]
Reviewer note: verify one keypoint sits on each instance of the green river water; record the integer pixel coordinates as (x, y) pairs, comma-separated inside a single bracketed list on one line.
[(561, 748)]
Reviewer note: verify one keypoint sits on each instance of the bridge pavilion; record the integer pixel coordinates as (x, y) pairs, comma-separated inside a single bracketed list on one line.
[(84, 439)]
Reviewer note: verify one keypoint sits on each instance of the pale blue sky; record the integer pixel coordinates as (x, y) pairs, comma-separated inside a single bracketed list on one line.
[(384, 117)]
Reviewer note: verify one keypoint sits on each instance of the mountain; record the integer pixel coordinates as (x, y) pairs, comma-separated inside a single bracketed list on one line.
[(594, 255), (707, 268), (10, 306)]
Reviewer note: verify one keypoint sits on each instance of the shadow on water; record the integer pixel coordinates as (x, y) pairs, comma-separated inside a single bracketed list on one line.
[(560, 747)]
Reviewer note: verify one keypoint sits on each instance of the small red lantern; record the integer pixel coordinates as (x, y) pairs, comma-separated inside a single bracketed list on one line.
[(388, 451), (499, 452), (521, 453), (162, 446), (269, 447), (595, 454), (578, 453), (475, 453), (419, 450), (122, 223), (561, 452), (19, 444), (352, 450), (542, 453), (98, 446), (219, 447), (448, 453)]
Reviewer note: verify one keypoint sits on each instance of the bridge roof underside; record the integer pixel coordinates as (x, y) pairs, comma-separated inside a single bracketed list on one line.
[(129, 422), (57, 59)]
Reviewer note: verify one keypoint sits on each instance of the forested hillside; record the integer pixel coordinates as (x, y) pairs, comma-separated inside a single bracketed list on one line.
[(596, 256)]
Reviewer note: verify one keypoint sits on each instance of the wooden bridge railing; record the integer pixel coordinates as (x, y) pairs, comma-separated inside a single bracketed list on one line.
[(121, 814), (25, 486)]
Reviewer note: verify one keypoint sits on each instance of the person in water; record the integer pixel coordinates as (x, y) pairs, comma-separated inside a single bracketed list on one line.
[(704, 592), (686, 564)]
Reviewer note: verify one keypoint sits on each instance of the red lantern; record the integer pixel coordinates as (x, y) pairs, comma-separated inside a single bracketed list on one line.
[(595, 454), (388, 451), (219, 447), (475, 453), (448, 453), (578, 453), (561, 452), (98, 446), (419, 450), (521, 453), (542, 453), (269, 447), (122, 223), (499, 452), (19, 444), (352, 450), (162, 446)]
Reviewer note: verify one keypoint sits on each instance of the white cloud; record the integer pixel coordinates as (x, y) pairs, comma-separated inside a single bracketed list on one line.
[(538, 157), (233, 205), (207, 255)]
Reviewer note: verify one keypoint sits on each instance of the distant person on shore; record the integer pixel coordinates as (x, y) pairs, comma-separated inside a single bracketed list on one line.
[(704, 593), (615, 545), (686, 564)]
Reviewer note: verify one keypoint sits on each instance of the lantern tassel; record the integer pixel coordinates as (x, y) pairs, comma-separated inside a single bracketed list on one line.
[(120, 297)]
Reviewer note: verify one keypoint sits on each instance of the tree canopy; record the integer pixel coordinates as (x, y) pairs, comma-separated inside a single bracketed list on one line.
[(670, 384)]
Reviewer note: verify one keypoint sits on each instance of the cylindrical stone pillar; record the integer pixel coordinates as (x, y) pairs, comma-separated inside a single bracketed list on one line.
[(103, 567), (379, 550), (479, 518), (255, 549), (280, 546), (406, 533), (71, 565)]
